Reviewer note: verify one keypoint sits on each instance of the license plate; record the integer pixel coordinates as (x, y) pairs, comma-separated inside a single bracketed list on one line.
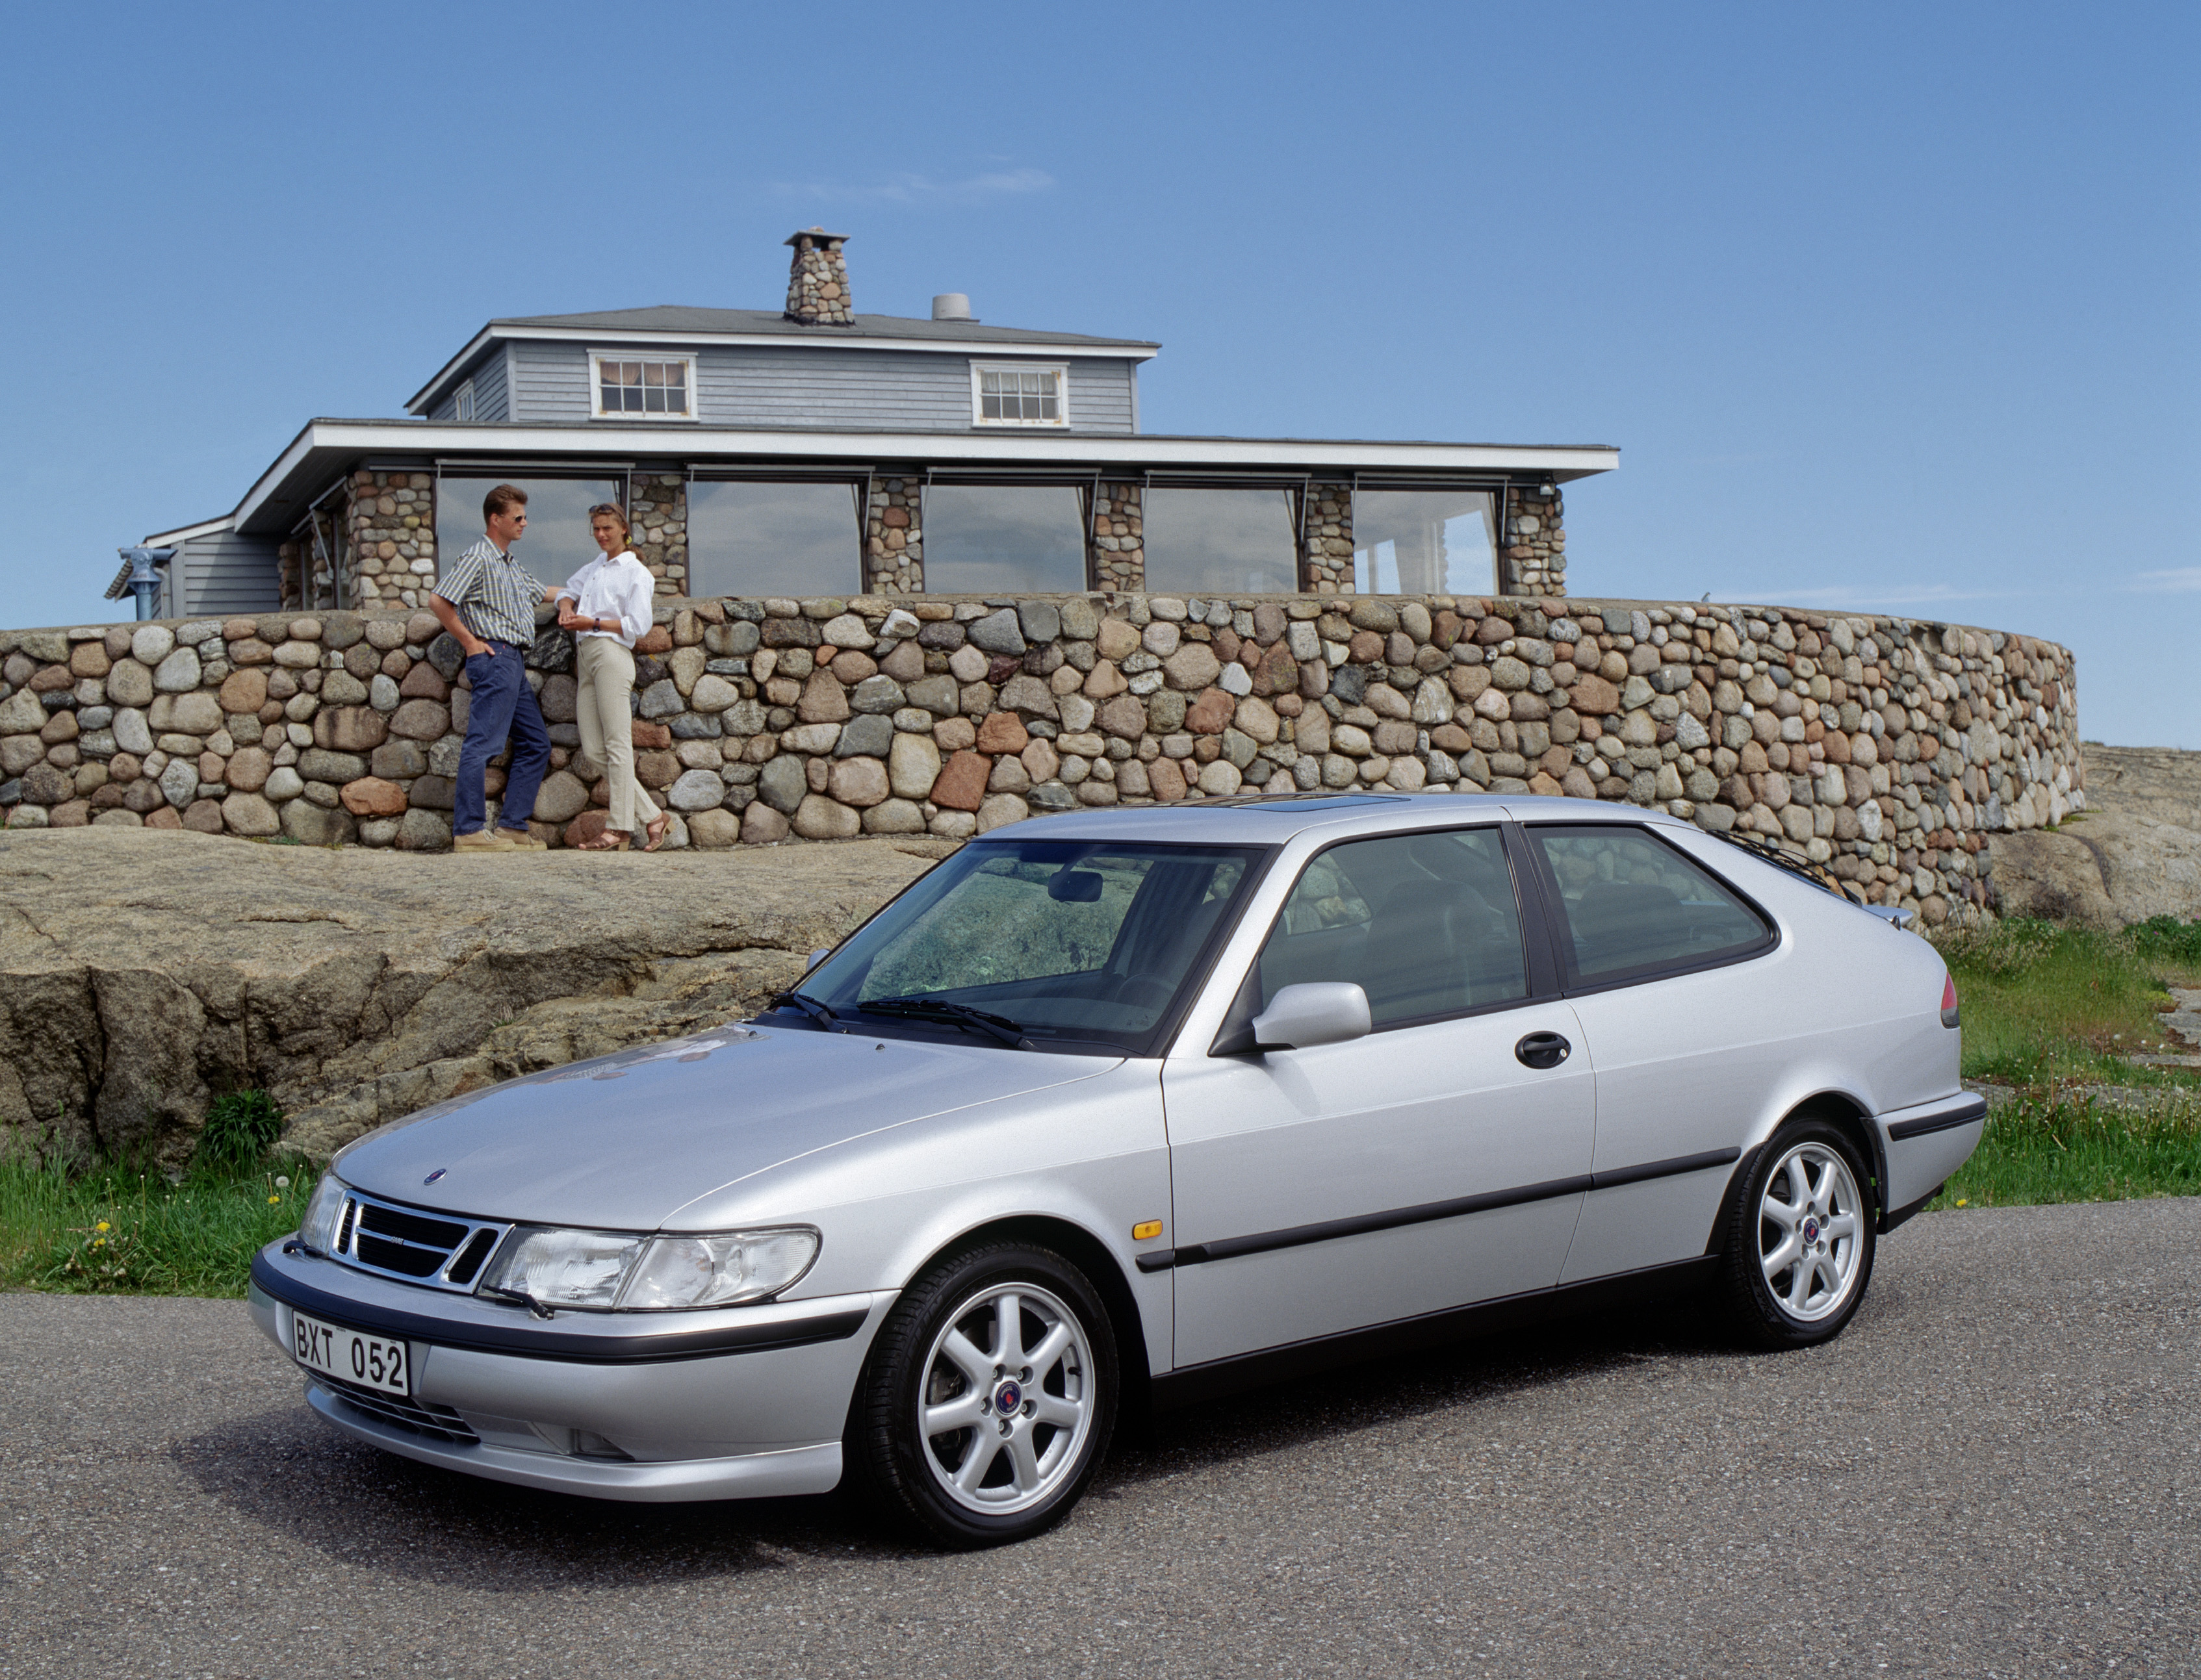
[(372, 1361)]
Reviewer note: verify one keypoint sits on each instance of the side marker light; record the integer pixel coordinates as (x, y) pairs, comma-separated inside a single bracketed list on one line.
[(1146, 1229)]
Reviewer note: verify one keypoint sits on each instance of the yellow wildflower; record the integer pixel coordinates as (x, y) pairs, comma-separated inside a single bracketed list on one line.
[(101, 1226)]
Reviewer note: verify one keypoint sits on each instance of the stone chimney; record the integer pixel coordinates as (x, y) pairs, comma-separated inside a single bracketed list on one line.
[(818, 282)]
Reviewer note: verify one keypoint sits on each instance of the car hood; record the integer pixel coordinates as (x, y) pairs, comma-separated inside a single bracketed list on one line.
[(624, 1141)]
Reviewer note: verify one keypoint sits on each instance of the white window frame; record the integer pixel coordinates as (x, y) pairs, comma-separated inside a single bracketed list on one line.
[(644, 354), (462, 406), (1060, 369)]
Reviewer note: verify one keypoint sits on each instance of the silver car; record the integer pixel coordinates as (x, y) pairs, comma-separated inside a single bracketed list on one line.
[(1124, 1108)]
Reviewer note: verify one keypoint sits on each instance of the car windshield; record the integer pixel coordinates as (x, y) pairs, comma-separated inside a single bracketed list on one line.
[(1083, 945)]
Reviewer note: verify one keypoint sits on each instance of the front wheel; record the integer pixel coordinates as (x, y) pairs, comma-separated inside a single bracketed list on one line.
[(1799, 1240), (989, 1398)]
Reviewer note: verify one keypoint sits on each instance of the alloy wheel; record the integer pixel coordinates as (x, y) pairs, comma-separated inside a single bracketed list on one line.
[(1810, 1232), (1008, 1400)]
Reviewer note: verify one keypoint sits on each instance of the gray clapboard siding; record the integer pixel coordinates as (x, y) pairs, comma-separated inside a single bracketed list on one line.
[(914, 391), (223, 572), (550, 381), (798, 385), (492, 389)]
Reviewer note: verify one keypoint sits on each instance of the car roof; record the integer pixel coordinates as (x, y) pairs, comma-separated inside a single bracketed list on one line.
[(1272, 820)]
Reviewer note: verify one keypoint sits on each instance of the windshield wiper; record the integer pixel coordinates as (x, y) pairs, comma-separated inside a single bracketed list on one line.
[(960, 1015), (809, 1005)]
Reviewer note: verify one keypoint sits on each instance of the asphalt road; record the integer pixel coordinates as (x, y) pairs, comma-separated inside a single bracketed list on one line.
[(1995, 1471)]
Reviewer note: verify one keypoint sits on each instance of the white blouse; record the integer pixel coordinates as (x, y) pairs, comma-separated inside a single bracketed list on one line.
[(615, 586)]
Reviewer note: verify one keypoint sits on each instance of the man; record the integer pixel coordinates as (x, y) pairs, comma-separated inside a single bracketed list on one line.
[(486, 600)]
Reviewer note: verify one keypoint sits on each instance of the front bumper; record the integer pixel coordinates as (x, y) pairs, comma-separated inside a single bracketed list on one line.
[(741, 1402)]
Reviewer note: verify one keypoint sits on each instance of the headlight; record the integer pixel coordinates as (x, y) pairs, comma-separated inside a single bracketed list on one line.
[(565, 1268), (719, 1271), (609, 1269), (318, 1230)]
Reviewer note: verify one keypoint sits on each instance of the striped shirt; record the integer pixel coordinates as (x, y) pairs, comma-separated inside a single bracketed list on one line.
[(494, 594)]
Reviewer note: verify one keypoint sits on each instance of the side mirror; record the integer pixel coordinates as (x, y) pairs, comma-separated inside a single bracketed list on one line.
[(816, 958), (1299, 1017)]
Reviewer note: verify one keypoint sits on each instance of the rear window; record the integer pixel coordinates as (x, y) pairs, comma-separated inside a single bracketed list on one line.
[(1630, 905)]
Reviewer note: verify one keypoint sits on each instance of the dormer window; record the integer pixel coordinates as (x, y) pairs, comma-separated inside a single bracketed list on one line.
[(1019, 393), (465, 400), (643, 388)]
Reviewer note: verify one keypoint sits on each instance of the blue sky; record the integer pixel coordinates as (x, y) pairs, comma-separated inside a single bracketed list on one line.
[(1888, 307)]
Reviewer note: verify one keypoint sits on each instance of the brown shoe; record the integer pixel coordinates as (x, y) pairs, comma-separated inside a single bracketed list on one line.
[(518, 839), (482, 840)]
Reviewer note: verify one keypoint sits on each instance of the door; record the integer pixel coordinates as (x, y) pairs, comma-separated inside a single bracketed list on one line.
[(1667, 968), (1423, 1166)]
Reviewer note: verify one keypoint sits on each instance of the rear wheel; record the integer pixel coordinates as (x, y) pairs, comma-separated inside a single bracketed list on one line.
[(1799, 1241), (989, 1398)]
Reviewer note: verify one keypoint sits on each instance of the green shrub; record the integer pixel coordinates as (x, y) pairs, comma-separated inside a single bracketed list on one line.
[(239, 1129)]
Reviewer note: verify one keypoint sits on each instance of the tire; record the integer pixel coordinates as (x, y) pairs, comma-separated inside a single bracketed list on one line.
[(1799, 1238), (966, 1447)]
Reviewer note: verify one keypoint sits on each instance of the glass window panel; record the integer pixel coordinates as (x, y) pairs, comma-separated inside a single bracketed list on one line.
[(990, 382), (991, 406), (1220, 542), (1075, 939), (1633, 904), (1425, 924), (1423, 542), (654, 399), (749, 538), (557, 543), (1001, 539)]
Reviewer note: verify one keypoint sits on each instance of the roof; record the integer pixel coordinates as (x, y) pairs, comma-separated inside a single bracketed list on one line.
[(325, 447), (688, 318), (690, 324), (1263, 820)]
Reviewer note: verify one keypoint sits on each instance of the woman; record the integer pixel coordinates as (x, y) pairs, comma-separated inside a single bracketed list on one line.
[(606, 606)]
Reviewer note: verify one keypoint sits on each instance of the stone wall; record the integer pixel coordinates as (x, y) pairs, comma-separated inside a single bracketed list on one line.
[(1889, 749), (1118, 560), (1532, 556), (1326, 548), (894, 536), (657, 513), (390, 534)]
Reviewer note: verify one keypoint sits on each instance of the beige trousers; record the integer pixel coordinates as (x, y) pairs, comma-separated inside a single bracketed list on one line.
[(604, 672)]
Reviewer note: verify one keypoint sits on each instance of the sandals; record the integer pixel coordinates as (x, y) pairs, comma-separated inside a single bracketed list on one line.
[(656, 831), (610, 840)]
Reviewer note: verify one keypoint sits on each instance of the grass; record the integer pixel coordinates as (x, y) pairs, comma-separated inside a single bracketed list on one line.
[(123, 1229), (2053, 1012)]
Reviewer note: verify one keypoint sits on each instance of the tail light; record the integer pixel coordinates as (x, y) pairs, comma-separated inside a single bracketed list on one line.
[(1948, 1000)]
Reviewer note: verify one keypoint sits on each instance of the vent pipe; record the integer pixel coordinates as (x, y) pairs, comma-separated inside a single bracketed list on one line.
[(952, 306)]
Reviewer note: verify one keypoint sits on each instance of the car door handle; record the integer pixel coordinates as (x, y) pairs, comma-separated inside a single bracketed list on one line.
[(1542, 1049)]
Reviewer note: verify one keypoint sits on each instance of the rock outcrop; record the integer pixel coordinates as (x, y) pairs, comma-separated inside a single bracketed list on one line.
[(141, 973), (2135, 852)]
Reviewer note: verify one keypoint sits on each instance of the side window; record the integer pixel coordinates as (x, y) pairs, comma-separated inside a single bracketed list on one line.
[(1425, 924), (1632, 905)]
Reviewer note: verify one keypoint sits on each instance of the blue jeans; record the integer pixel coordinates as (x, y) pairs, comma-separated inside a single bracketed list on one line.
[(502, 704)]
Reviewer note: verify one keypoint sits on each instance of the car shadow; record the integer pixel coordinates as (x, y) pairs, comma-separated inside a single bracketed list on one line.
[(318, 1491)]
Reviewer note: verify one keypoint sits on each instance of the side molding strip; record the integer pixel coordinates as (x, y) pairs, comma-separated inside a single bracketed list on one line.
[(1962, 1112), (1298, 1236)]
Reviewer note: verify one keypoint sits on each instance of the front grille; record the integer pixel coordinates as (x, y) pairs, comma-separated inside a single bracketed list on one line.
[(417, 1415), (442, 1250)]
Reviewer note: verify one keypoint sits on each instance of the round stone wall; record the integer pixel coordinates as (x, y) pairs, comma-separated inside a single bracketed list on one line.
[(1891, 750)]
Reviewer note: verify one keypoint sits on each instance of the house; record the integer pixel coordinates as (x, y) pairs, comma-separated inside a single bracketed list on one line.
[(811, 451)]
